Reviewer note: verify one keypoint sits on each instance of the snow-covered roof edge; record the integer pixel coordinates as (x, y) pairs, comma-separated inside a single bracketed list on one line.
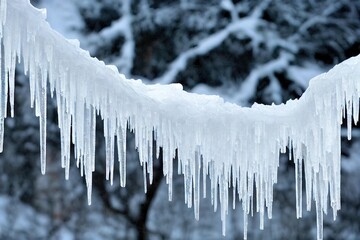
[(234, 146)]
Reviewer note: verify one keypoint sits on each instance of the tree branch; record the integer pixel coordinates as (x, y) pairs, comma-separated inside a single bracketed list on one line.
[(246, 26)]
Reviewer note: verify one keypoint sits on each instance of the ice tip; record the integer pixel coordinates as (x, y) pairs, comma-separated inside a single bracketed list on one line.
[(89, 193)]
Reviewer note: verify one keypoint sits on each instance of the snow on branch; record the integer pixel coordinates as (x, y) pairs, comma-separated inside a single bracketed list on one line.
[(246, 26), (248, 88), (236, 147), (122, 25)]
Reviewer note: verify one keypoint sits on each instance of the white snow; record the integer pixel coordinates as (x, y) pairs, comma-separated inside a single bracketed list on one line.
[(234, 146)]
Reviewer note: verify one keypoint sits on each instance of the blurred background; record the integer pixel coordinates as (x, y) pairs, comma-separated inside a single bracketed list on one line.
[(243, 50)]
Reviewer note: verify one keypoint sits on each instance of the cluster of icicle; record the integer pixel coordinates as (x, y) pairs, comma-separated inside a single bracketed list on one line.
[(237, 148)]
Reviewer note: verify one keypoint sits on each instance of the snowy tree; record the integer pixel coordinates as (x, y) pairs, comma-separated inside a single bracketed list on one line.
[(240, 24)]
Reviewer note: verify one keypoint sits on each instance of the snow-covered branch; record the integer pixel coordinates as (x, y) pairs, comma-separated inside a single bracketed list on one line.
[(317, 19), (248, 88), (123, 27), (128, 48), (246, 26), (237, 147)]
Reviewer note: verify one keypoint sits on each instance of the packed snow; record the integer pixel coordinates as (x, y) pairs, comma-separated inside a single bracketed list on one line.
[(234, 146)]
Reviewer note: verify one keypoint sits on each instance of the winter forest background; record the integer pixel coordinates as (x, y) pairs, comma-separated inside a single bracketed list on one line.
[(245, 51)]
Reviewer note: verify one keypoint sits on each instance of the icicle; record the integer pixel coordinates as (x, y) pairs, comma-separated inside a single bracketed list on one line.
[(3, 12), (356, 107), (92, 136), (109, 142), (121, 146), (233, 145), (298, 184), (169, 169), (205, 173), (349, 119), (144, 177), (319, 210), (150, 161), (42, 101), (245, 224), (89, 185), (196, 183), (12, 83), (3, 95)]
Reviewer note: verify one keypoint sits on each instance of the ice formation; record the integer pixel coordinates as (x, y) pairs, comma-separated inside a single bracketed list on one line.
[(236, 147)]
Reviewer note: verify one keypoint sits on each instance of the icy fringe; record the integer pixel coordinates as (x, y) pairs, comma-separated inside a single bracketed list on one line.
[(237, 148)]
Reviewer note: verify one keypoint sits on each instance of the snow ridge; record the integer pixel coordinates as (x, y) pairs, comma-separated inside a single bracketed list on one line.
[(233, 146)]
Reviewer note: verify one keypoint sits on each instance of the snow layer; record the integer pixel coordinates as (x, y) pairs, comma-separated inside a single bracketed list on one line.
[(236, 147)]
